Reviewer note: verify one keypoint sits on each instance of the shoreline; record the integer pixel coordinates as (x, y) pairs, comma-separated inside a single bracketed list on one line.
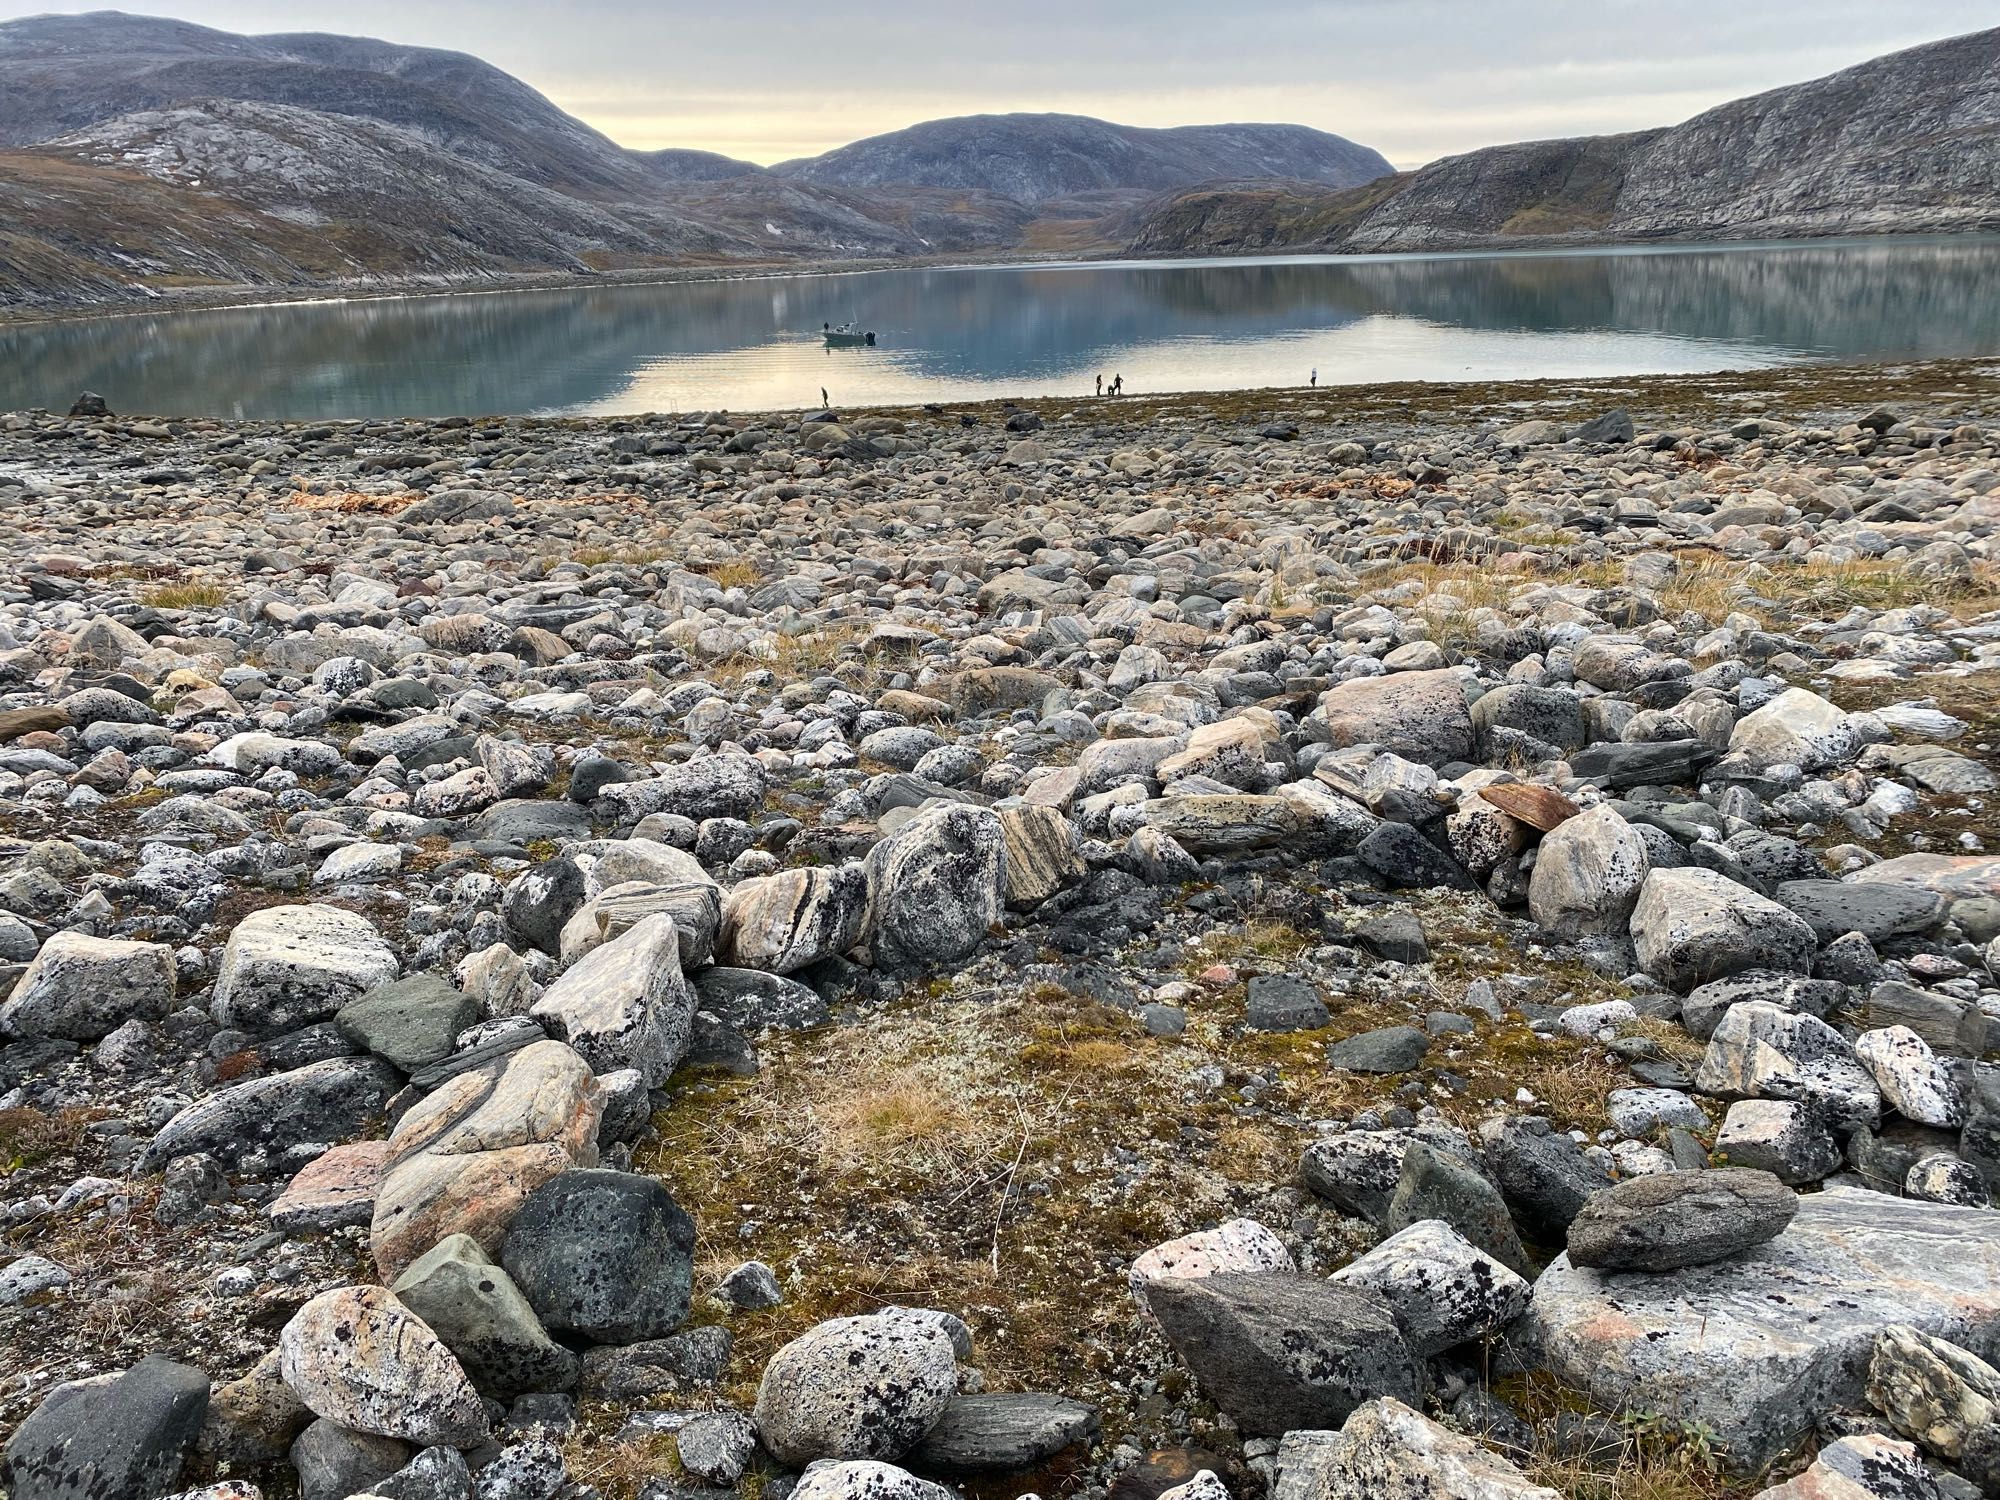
[(225, 298)]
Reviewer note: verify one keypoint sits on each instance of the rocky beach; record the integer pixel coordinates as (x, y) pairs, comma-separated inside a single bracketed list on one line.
[(1409, 941)]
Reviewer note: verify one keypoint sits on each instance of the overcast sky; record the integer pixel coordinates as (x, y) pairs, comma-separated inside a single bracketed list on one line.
[(1416, 79)]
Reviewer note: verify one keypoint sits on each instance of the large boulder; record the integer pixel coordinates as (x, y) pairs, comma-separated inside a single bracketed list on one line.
[(1865, 1467), (1758, 1346), (287, 966), (1042, 855), (108, 1435), (1443, 1289), (1543, 1175), (265, 1117), (1668, 1220), (409, 1022), (80, 988), (465, 1158), (1387, 1451), (1797, 728), (474, 1306), (355, 1355), (625, 1004), (1280, 1352), (936, 886), (857, 1388), (1233, 1245), (650, 877), (1932, 1390), (606, 1256), (1761, 1051), (1587, 875), (784, 922), (720, 786), (1693, 925), (1422, 716), (1007, 1433)]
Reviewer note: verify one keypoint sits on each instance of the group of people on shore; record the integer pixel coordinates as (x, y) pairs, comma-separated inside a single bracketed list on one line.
[(1116, 388)]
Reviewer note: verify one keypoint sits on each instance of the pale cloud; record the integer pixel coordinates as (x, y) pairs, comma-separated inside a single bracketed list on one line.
[(1416, 79)]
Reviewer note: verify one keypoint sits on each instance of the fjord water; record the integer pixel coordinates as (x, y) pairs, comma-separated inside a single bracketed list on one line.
[(970, 333)]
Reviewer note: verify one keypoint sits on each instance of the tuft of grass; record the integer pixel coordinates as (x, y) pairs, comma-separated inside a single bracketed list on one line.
[(736, 575), (30, 1136), (883, 1119), (619, 1470), (186, 596)]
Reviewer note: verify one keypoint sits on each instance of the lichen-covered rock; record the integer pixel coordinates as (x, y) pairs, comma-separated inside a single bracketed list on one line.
[(1279, 1352), (323, 1101), (1041, 856), (935, 887), (1235, 1245), (625, 1004), (1673, 1219), (357, 1356), (1714, 1344), (857, 1388), (1422, 716), (108, 1435), (1761, 1051), (1587, 875), (1869, 1467), (1693, 925), (786, 921), (606, 1256), (1385, 1449), (286, 966), (79, 988), (1443, 1289), (864, 1479), (474, 1306), (1932, 1390)]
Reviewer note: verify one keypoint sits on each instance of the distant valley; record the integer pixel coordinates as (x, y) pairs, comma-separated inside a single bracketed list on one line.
[(144, 158)]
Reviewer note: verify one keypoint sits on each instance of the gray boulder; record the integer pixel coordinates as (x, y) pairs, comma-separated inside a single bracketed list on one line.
[(1443, 1289), (1693, 925), (409, 1022), (1435, 1185), (625, 1004), (606, 1256), (288, 966), (1003, 1434), (1673, 1219), (79, 988), (867, 1387), (321, 1102), (1587, 875), (1761, 1345), (1280, 1352), (474, 1306), (935, 887), (1386, 1451), (108, 1435), (1544, 1176)]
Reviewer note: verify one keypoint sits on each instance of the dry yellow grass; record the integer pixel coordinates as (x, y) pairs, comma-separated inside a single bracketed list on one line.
[(186, 596)]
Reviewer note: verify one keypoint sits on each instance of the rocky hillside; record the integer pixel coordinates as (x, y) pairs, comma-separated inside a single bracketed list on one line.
[(1035, 158), (153, 155), (1908, 142)]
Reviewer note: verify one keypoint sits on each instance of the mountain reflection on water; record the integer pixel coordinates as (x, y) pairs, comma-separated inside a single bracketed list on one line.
[(980, 332)]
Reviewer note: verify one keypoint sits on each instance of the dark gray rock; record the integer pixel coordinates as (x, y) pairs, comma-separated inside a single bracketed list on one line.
[(1435, 1186), (1675, 1219), (434, 1474), (1281, 1352), (607, 1256), (750, 1000), (474, 1306), (333, 1462), (1387, 1049), (1543, 1175), (324, 1102), (1395, 935), (1356, 1172), (1283, 1002), (1618, 765), (108, 1436), (1878, 910), (1706, 1005), (409, 1022), (1002, 1434), (1407, 860)]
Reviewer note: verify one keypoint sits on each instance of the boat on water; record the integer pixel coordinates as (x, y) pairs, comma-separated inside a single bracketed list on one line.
[(846, 336)]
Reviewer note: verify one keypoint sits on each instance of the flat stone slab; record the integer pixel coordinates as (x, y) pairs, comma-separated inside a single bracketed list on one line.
[(1758, 1346), (332, 1190)]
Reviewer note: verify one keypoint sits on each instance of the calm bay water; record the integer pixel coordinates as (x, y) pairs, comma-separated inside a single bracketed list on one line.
[(981, 332)]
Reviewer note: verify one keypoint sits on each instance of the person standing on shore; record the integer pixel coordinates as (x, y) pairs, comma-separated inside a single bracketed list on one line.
[(1117, 385), (1314, 381), (1100, 385)]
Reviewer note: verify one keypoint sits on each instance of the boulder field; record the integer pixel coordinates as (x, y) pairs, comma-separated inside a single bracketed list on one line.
[(1131, 952)]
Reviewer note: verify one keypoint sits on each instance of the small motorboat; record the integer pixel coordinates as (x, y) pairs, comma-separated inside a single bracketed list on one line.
[(846, 336)]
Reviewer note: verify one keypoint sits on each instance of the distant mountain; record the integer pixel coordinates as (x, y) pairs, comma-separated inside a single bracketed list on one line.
[(61, 74), (1035, 158), (1907, 142), (695, 166)]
